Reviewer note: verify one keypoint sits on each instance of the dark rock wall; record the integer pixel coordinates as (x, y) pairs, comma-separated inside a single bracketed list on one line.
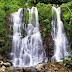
[(48, 43)]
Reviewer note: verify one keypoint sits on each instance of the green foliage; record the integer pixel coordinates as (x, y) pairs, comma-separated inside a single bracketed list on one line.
[(44, 33), (46, 21), (52, 1), (6, 7), (67, 16), (2, 31), (30, 3), (27, 17), (68, 63), (69, 5), (45, 15), (6, 47), (44, 12)]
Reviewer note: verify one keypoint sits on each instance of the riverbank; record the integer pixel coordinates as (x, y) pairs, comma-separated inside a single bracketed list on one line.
[(43, 67)]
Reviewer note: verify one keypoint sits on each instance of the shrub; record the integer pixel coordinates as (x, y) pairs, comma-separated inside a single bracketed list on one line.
[(67, 16), (68, 63), (45, 15)]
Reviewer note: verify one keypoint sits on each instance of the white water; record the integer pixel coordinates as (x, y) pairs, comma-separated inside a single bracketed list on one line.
[(27, 51), (16, 36), (59, 36)]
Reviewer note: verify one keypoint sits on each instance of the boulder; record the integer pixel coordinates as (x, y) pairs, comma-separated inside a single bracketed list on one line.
[(1, 62), (3, 68), (51, 67), (42, 67), (7, 64)]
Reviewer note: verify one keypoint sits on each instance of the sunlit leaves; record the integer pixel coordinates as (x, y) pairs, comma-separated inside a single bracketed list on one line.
[(45, 16), (67, 17)]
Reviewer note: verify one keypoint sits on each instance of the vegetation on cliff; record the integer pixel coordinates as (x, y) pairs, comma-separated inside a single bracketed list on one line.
[(45, 17)]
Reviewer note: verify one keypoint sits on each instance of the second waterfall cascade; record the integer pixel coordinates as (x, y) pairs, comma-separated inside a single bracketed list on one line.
[(27, 51), (59, 36)]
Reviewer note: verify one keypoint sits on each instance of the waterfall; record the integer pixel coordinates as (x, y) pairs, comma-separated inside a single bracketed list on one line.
[(27, 51), (17, 18), (58, 35)]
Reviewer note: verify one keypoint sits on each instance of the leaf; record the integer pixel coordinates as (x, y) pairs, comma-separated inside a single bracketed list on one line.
[(44, 29), (44, 34)]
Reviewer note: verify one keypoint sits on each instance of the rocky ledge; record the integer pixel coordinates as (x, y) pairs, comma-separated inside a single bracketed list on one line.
[(44, 67)]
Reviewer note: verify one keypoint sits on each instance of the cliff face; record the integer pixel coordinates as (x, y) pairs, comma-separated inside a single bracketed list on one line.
[(43, 67), (6, 37), (45, 17), (48, 43), (6, 42)]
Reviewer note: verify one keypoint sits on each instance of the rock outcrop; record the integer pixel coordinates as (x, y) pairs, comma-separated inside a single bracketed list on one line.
[(43, 67)]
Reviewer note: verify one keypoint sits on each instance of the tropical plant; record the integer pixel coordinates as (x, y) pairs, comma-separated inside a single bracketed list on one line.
[(68, 63)]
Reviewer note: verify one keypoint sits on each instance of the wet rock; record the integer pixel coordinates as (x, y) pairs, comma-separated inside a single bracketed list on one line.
[(7, 64), (26, 69), (3, 68), (29, 69), (10, 37), (50, 70), (55, 70), (39, 67), (44, 67), (2, 42), (1, 62), (52, 65)]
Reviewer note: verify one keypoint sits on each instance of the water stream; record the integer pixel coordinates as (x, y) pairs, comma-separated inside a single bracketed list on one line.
[(27, 51), (58, 35)]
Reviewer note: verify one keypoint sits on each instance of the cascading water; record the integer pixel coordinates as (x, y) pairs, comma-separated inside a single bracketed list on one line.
[(17, 17), (58, 35), (27, 51)]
